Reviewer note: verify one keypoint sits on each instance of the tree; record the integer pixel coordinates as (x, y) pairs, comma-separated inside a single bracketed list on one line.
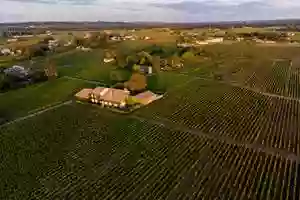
[(131, 60), (137, 82), (50, 69), (47, 39), (188, 55), (176, 61), (119, 75), (132, 100), (2, 81), (38, 76), (145, 58), (156, 64), (136, 68), (78, 41), (121, 59)]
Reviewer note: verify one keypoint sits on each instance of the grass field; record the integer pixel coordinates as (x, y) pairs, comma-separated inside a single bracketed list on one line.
[(20, 102), (156, 36), (106, 156)]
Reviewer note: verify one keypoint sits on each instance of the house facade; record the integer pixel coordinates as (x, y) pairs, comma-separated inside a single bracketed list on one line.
[(109, 97)]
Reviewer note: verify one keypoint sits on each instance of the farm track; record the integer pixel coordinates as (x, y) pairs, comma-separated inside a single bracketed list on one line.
[(232, 112), (37, 112), (256, 147), (85, 80), (242, 87)]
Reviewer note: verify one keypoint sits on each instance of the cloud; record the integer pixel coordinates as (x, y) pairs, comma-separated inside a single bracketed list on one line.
[(234, 10), (74, 2), (147, 10)]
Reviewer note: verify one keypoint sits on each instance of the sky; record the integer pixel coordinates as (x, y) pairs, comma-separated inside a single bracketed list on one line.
[(147, 10)]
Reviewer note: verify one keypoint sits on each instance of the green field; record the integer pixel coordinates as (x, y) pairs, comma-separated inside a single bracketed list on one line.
[(226, 128), (20, 102)]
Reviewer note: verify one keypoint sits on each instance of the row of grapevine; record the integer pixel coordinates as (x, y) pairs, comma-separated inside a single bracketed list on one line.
[(234, 113), (108, 156), (270, 76)]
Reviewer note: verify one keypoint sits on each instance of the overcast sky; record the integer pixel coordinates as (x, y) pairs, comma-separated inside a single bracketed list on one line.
[(147, 10)]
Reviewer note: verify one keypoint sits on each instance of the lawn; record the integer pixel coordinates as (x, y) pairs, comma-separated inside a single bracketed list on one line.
[(85, 65), (20, 102)]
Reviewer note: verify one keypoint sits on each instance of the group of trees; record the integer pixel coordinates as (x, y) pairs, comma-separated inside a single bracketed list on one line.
[(12, 81), (275, 36), (156, 57), (95, 40)]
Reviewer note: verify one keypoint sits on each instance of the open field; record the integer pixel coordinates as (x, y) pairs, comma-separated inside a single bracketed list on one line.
[(157, 36), (20, 102), (106, 156)]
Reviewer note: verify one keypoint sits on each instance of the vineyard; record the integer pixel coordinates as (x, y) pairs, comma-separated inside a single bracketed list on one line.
[(232, 112), (226, 129), (126, 158), (269, 70)]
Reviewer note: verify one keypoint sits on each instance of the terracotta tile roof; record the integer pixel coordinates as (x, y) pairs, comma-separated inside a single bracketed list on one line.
[(84, 94), (110, 94)]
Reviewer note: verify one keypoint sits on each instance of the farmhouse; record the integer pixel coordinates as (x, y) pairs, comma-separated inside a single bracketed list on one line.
[(109, 97)]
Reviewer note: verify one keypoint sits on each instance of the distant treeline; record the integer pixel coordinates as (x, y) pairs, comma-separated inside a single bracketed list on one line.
[(111, 25)]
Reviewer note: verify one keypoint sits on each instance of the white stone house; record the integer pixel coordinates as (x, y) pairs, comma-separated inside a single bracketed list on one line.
[(109, 97)]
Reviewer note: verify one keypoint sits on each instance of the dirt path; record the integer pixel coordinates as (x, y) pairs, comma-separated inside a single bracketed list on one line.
[(34, 114), (243, 87), (85, 80)]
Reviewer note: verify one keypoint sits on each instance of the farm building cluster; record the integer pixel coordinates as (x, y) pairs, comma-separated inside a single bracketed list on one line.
[(116, 98)]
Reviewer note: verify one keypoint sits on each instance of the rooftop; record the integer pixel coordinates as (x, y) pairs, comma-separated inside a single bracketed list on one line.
[(110, 94)]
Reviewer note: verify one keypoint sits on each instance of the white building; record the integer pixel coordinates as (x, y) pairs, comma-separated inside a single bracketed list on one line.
[(5, 51), (215, 40), (108, 60)]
